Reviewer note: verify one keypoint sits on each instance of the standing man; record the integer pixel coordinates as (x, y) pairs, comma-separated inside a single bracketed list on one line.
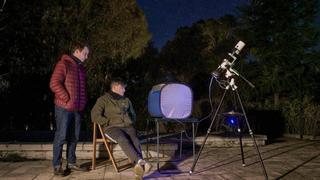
[(68, 83), (115, 113)]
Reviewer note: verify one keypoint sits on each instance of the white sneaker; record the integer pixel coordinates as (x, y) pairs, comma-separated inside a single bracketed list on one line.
[(147, 167), (138, 170), (137, 177)]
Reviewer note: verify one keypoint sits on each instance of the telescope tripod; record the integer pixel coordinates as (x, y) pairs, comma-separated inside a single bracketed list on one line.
[(247, 124)]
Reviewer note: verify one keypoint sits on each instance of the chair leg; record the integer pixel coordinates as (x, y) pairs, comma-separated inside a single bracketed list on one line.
[(94, 144), (107, 146), (181, 134), (111, 155), (147, 130)]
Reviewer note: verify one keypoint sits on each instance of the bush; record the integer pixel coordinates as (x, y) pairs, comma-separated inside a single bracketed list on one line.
[(301, 116), (11, 157)]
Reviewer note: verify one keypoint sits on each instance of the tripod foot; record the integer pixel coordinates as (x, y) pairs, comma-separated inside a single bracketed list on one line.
[(243, 165), (190, 172)]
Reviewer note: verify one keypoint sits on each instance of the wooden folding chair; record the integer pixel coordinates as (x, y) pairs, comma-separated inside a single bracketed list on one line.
[(108, 145)]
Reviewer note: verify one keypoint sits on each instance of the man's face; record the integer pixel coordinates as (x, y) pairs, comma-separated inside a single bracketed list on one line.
[(120, 89), (82, 55)]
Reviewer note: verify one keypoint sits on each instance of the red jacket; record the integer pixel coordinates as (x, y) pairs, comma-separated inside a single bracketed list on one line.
[(68, 82)]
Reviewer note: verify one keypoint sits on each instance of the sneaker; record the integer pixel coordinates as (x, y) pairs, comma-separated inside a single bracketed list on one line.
[(137, 177), (147, 167), (138, 170), (58, 171), (76, 167)]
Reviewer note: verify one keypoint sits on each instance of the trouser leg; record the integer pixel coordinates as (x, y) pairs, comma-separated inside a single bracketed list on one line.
[(73, 136), (125, 142), (61, 118), (133, 136)]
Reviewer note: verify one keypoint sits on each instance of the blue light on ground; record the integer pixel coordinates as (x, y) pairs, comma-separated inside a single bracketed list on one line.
[(231, 120)]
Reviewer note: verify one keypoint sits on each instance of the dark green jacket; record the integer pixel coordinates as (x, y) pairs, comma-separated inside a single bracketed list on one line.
[(113, 110)]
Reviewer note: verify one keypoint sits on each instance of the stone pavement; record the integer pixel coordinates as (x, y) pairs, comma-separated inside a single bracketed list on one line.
[(284, 159)]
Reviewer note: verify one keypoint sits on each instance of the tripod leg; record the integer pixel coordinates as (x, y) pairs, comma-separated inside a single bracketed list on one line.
[(193, 145), (252, 136), (157, 124), (241, 147), (147, 130), (208, 132)]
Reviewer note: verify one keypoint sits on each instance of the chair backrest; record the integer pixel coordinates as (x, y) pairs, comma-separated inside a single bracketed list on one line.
[(172, 101)]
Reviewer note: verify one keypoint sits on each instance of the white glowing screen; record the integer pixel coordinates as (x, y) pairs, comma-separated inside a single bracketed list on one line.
[(175, 101)]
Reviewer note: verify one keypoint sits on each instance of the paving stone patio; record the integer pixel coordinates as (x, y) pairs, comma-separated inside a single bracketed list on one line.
[(287, 158)]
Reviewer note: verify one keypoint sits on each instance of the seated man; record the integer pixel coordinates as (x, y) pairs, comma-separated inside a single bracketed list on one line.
[(114, 112)]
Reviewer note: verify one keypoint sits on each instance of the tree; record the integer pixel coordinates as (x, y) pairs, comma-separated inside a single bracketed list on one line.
[(118, 33), (142, 74), (282, 37), (22, 63), (194, 53), (203, 45), (35, 34)]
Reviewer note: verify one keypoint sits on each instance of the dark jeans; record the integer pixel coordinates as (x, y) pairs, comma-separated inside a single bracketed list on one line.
[(67, 131), (127, 140)]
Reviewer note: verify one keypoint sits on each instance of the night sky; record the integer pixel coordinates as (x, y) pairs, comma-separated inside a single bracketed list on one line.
[(165, 16)]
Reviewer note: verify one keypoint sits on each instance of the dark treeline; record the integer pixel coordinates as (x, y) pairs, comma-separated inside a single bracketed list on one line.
[(281, 58)]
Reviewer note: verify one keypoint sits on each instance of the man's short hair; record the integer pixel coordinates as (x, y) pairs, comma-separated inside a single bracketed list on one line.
[(117, 81), (77, 45)]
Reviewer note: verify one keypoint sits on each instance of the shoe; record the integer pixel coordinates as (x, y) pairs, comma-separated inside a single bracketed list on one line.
[(76, 168), (137, 177), (147, 167), (58, 171), (138, 170)]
